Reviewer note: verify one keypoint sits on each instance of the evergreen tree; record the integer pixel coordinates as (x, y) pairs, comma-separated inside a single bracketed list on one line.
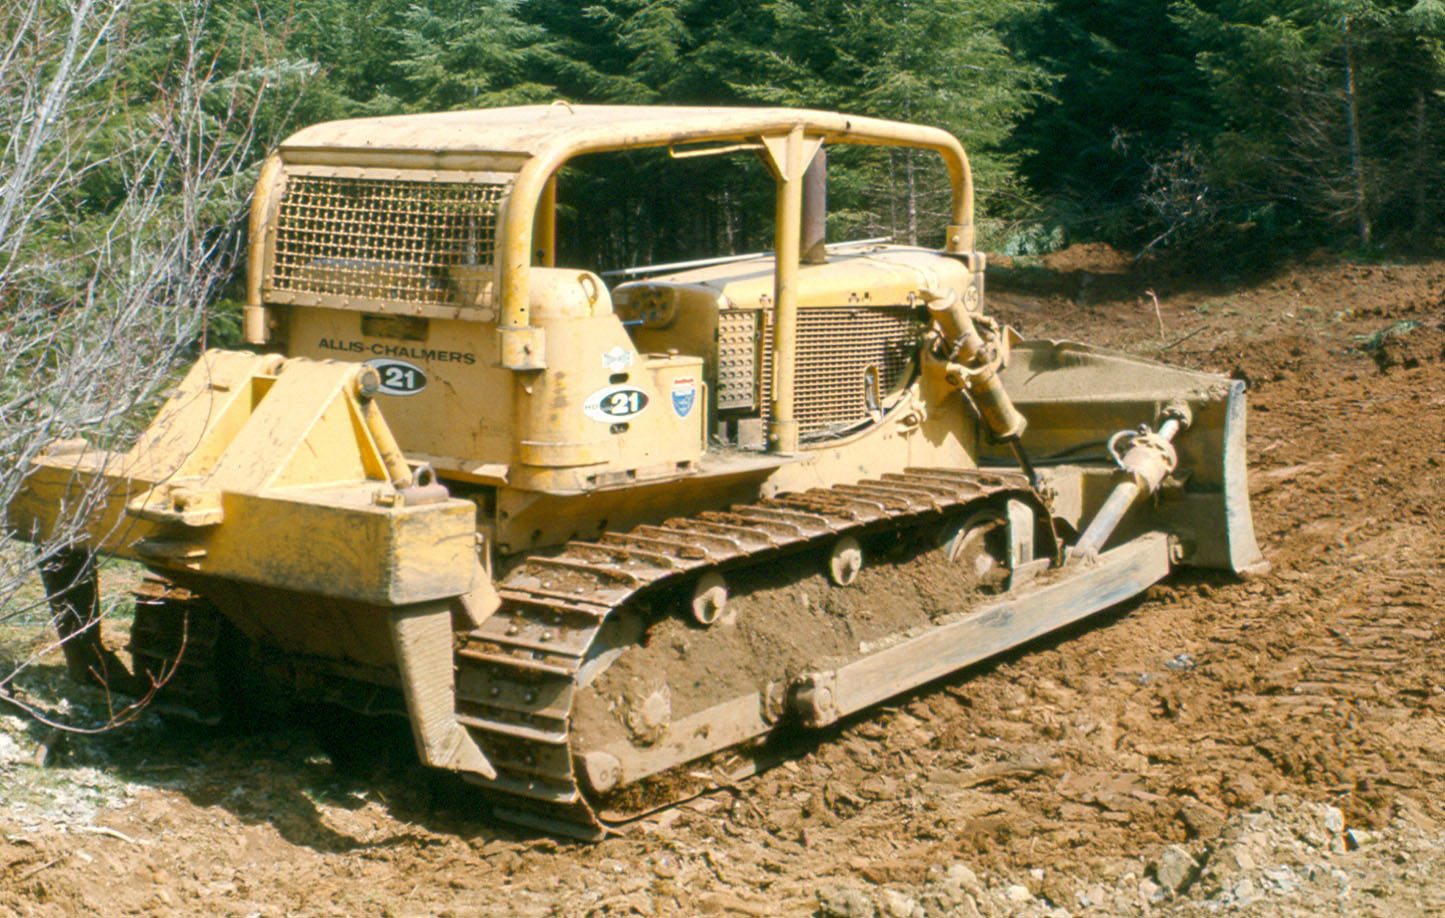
[(925, 61), (1126, 96), (928, 61), (455, 54), (1327, 110)]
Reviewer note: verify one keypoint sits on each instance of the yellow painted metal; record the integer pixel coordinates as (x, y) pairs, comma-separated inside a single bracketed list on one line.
[(545, 230), (548, 136), (872, 274), (261, 470), (288, 493), (391, 455), (254, 315), (522, 346), (789, 164)]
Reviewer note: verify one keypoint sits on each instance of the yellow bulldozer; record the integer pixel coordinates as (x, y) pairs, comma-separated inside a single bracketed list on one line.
[(599, 544)]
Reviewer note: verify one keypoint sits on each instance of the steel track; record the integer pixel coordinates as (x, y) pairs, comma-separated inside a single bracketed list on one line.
[(518, 673)]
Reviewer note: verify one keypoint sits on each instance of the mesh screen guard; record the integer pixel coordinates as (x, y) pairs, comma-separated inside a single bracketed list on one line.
[(389, 240), (836, 345)]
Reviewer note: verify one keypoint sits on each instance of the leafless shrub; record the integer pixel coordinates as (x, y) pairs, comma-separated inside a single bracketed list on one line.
[(100, 303), (1177, 196)]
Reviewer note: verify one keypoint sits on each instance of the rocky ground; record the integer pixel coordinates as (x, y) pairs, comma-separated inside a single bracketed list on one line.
[(1270, 747)]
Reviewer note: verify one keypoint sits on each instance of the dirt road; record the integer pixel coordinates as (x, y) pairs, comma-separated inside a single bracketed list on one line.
[(1264, 747)]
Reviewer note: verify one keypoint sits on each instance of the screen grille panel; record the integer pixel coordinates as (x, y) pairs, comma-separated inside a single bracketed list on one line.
[(381, 239), (836, 345)]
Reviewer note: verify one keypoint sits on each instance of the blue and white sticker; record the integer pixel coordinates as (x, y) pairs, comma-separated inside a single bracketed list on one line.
[(684, 395), (615, 403), (398, 377)]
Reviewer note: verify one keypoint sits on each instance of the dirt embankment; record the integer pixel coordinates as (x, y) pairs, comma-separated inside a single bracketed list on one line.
[(1264, 747)]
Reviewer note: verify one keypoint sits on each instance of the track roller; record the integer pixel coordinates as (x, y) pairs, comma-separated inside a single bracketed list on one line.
[(709, 598), (845, 561)]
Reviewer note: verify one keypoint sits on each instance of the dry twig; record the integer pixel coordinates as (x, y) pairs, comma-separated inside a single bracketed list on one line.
[(1157, 314)]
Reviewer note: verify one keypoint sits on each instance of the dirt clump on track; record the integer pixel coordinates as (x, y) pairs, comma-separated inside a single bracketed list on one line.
[(777, 626), (1266, 747)]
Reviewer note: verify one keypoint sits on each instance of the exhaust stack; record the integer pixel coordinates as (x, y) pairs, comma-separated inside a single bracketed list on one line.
[(815, 210)]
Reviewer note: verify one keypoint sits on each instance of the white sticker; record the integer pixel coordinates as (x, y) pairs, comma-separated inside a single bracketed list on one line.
[(398, 377), (615, 403), (618, 359)]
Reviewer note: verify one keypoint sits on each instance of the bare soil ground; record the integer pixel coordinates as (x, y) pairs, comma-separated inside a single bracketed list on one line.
[(1271, 747)]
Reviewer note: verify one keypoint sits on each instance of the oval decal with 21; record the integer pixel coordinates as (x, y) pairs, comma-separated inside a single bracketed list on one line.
[(398, 377), (615, 403)]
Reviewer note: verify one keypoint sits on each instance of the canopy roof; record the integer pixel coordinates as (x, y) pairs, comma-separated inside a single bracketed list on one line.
[(561, 129)]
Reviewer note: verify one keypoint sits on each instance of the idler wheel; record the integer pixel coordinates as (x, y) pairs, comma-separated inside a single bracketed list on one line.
[(976, 545)]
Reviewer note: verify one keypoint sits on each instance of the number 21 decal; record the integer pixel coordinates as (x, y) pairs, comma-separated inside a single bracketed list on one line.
[(615, 403), (398, 377)]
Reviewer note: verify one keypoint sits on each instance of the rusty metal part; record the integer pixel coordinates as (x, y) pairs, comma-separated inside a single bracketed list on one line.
[(178, 643), (72, 590), (815, 210)]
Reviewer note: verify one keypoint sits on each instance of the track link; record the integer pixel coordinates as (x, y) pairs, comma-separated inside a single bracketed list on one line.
[(518, 672), (175, 644)]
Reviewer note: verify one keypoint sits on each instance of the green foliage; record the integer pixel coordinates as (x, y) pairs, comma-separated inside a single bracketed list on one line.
[(928, 61), (1244, 120), (462, 54), (1125, 93), (1328, 108)]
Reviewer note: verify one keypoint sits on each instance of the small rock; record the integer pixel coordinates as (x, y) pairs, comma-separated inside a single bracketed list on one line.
[(1334, 819), (1242, 858), (1037, 874), (1244, 890), (845, 902), (1017, 893), (1148, 889), (960, 874), (1356, 838), (1175, 868), (1203, 821), (10, 750), (897, 905), (1281, 877), (1181, 663)]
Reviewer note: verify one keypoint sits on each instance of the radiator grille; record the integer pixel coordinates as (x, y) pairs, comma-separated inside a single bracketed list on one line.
[(381, 239), (836, 345)]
